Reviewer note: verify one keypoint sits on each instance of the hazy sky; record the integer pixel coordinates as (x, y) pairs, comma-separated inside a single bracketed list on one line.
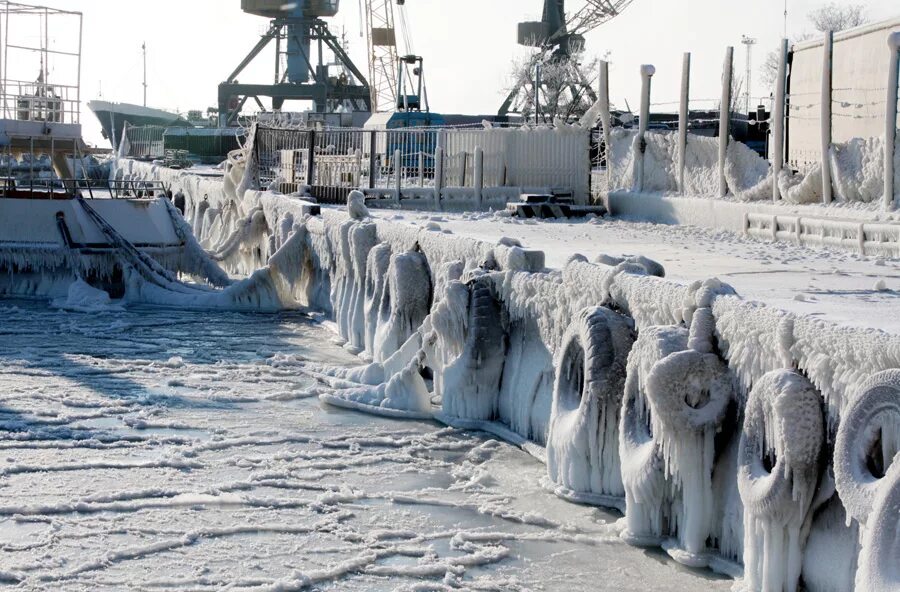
[(468, 46)]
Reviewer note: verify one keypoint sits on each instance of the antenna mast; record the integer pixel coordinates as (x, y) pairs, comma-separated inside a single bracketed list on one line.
[(144, 49)]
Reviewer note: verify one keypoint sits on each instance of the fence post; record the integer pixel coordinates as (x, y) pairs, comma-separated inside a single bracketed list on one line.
[(311, 157), (421, 165), (890, 137), (647, 72), (398, 172), (827, 51), (357, 181), (725, 118), (373, 145), (777, 137), (438, 175), (683, 115), (479, 178)]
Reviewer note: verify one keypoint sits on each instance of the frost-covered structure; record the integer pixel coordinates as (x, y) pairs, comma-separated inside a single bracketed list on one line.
[(733, 435)]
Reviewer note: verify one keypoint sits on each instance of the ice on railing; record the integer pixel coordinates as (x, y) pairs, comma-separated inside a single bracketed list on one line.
[(857, 168)]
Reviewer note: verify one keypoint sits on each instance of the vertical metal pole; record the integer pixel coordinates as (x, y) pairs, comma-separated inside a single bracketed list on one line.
[(311, 157), (890, 129), (77, 115), (398, 154), (606, 122), (647, 72), (479, 178), (373, 144), (278, 57), (683, 114), (357, 176), (827, 51), (422, 164), (777, 139), (438, 175), (725, 118), (537, 94)]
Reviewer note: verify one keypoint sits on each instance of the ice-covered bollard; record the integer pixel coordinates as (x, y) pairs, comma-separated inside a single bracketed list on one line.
[(356, 205), (583, 442), (778, 472)]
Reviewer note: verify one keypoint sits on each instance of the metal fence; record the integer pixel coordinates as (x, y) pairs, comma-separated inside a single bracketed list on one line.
[(143, 143), (407, 162)]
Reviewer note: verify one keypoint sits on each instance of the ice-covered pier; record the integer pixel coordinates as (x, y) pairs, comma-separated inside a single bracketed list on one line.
[(732, 434)]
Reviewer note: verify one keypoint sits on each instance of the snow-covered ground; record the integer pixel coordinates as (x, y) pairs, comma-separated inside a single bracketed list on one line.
[(842, 287), (154, 449)]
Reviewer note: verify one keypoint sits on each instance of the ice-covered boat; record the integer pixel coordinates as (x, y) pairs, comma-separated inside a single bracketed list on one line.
[(60, 226)]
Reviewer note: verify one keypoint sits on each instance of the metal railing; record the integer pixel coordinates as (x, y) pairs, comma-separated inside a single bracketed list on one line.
[(87, 188), (394, 161), (36, 101)]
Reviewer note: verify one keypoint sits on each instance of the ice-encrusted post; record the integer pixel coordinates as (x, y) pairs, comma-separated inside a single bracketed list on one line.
[(357, 173), (421, 168), (605, 121), (890, 138), (479, 177), (683, 114), (398, 172), (647, 72), (777, 138), (725, 118), (825, 119), (311, 157), (438, 175), (373, 147)]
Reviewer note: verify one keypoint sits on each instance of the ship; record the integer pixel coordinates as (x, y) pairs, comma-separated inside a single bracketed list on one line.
[(114, 116)]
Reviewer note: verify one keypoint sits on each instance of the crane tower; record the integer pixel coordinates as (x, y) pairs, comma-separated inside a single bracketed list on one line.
[(558, 36), (297, 28)]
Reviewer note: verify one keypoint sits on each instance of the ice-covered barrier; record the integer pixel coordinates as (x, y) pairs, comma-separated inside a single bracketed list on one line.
[(708, 419)]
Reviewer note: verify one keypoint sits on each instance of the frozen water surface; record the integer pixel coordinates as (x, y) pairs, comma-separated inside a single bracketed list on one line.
[(160, 450)]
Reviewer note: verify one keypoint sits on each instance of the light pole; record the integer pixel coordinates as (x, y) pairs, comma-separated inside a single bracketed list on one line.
[(749, 42)]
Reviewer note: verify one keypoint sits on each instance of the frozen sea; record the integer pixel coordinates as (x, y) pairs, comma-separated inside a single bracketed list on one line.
[(152, 449)]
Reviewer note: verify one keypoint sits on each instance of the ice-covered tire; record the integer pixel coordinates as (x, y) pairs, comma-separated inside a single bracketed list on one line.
[(871, 419), (783, 406), (471, 382), (642, 474), (583, 441), (689, 391), (879, 560)]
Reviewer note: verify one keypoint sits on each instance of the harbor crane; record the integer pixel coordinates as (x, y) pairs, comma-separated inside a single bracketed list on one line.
[(295, 27), (558, 36)]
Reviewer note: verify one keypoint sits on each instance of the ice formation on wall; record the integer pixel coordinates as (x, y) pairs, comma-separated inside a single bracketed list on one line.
[(710, 424), (675, 403)]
